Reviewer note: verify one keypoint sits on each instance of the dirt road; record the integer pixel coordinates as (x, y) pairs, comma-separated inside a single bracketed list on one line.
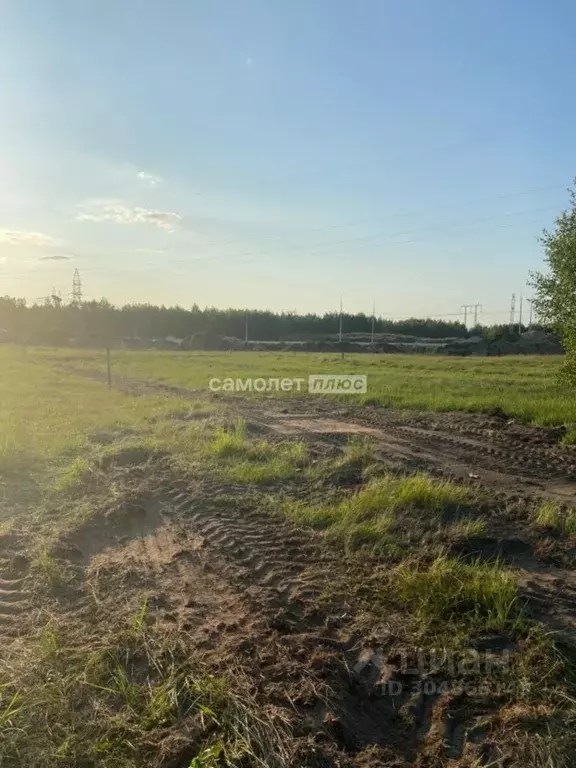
[(491, 450)]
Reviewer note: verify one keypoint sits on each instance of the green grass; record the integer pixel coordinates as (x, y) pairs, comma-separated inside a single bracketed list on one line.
[(230, 442), (45, 412), (522, 386), (550, 514), (370, 516), (255, 461), (448, 591), (468, 529)]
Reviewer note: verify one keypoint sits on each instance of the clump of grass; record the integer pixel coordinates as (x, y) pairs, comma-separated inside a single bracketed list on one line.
[(569, 438), (368, 516), (256, 461), (550, 514), (266, 463), (227, 443), (468, 529), (356, 461), (359, 450), (449, 591), (73, 476), (48, 572), (423, 491)]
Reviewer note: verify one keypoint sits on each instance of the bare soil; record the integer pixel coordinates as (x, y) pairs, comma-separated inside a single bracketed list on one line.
[(257, 593)]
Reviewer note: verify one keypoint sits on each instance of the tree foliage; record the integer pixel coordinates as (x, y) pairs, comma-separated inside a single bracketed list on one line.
[(555, 297), (100, 323)]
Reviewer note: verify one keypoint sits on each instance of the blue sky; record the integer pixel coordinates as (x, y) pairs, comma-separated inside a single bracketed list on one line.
[(280, 154)]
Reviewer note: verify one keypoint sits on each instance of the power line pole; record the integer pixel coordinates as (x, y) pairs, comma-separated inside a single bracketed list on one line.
[(246, 326), (340, 324), (76, 288), (373, 321), (466, 307), (530, 301), (512, 311), (520, 317), (477, 308)]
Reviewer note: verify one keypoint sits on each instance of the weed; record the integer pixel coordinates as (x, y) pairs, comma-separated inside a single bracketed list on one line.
[(256, 461), (359, 450), (267, 463)]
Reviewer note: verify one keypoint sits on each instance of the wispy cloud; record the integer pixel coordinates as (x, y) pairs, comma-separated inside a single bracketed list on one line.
[(249, 61), (150, 178), (19, 237), (57, 257), (122, 214)]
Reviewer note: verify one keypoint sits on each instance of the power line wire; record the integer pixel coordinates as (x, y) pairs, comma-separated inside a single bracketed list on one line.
[(400, 214)]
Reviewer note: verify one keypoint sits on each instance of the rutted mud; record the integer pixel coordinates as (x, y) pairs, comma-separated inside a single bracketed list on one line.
[(499, 454), (248, 590), (490, 449)]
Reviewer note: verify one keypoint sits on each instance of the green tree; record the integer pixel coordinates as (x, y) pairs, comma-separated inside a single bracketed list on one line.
[(555, 297)]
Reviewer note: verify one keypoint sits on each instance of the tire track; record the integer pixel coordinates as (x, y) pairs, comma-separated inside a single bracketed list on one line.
[(258, 550), (14, 602), (521, 464)]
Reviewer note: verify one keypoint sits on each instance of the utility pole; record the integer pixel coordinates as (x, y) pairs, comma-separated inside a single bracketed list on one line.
[(530, 301), (76, 288), (477, 308), (246, 326), (340, 324), (520, 317), (373, 321), (512, 311), (466, 307)]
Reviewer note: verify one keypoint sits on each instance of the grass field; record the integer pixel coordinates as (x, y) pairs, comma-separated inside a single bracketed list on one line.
[(125, 657), (524, 387)]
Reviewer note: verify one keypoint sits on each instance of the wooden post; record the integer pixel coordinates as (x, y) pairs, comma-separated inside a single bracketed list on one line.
[(109, 367)]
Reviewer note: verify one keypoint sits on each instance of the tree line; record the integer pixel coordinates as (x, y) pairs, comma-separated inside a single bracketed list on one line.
[(97, 322)]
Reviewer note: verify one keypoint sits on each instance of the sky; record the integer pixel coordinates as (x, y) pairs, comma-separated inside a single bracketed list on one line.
[(280, 155)]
